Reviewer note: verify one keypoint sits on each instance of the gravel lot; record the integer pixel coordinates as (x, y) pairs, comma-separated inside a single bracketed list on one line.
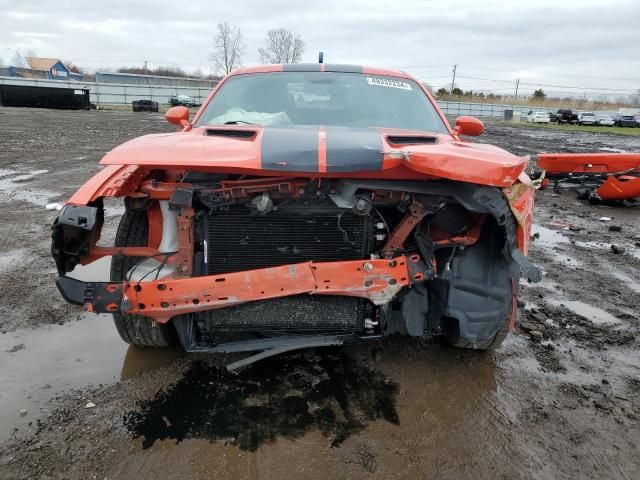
[(76, 403)]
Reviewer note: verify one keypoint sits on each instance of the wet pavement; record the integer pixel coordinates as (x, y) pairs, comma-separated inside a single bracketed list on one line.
[(40, 364), (566, 405)]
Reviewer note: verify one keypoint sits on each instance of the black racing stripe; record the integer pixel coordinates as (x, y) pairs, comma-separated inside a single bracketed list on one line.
[(354, 149), (333, 67), (301, 67), (293, 149)]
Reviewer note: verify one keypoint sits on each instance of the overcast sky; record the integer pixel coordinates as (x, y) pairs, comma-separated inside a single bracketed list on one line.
[(559, 44)]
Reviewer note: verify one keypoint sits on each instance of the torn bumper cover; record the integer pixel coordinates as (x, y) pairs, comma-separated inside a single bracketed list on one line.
[(608, 177), (377, 280)]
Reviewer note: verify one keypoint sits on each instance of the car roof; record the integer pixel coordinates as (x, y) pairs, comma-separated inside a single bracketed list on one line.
[(322, 67)]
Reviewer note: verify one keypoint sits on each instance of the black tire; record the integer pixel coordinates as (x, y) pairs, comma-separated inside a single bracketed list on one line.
[(137, 329)]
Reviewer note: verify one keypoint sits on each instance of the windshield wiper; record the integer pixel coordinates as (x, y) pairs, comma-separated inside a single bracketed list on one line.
[(235, 122)]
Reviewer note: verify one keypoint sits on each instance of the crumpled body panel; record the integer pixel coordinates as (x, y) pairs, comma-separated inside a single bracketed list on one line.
[(322, 152)]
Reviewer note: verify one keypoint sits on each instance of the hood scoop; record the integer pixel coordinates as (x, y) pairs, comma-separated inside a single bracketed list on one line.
[(411, 140), (230, 133)]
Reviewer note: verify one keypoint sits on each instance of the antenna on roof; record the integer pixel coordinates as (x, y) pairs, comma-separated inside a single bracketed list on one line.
[(321, 57)]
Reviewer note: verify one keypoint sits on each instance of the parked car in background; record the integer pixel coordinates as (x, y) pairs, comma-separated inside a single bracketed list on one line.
[(144, 106), (538, 117), (553, 117), (566, 116), (605, 120), (182, 100), (622, 120), (586, 118)]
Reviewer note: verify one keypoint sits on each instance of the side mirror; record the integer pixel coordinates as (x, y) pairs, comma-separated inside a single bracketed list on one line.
[(469, 126), (178, 116)]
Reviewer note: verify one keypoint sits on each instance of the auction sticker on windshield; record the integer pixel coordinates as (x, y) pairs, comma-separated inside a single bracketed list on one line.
[(384, 82)]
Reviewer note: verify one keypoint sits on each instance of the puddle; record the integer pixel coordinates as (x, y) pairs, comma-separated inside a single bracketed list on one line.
[(548, 237), (595, 314), (282, 396), (406, 406), (550, 240), (11, 259), (49, 360), (14, 187), (628, 281), (140, 360), (55, 358), (546, 283), (331, 392)]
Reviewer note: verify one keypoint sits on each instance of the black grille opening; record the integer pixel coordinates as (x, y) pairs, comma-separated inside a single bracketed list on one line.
[(241, 134), (411, 140)]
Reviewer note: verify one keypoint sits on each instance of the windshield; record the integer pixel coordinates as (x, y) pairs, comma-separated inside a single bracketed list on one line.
[(322, 98)]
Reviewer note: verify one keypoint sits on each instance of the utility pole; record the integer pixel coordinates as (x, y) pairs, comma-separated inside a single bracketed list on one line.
[(453, 80), (517, 84), (145, 67)]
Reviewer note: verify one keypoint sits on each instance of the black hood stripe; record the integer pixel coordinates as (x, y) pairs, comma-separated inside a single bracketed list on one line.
[(293, 149), (354, 149)]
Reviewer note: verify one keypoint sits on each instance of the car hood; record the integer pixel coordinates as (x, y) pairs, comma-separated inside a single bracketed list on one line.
[(322, 151)]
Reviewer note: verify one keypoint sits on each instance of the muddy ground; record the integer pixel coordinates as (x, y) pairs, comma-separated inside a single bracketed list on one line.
[(76, 403)]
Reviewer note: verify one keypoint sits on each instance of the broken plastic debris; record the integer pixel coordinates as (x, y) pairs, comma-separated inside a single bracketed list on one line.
[(23, 412), (90, 405), (53, 206), (605, 219)]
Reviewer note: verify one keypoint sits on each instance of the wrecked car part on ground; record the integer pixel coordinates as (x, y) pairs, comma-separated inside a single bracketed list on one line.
[(597, 177), (309, 229)]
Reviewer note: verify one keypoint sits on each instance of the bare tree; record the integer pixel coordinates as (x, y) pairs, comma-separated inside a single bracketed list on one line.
[(18, 61), (72, 67), (282, 46), (228, 48)]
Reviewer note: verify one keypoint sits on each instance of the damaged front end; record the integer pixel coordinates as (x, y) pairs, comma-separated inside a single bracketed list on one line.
[(276, 263)]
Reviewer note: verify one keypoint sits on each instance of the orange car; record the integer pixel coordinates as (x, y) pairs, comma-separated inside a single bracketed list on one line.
[(305, 205)]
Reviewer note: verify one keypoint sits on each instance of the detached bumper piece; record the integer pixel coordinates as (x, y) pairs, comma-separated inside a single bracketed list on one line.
[(597, 177), (377, 280)]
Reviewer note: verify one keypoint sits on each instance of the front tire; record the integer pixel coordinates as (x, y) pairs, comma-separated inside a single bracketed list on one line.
[(136, 329)]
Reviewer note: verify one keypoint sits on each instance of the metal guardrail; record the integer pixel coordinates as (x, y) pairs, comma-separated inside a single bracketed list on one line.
[(494, 110)]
